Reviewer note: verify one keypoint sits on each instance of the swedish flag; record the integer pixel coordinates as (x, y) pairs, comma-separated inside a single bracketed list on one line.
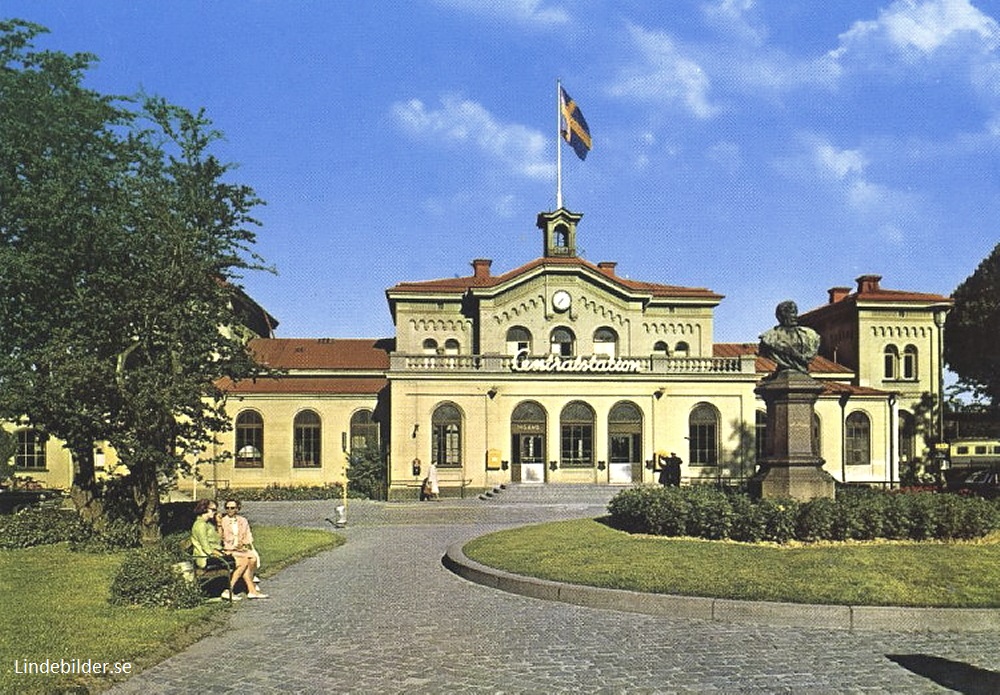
[(576, 133)]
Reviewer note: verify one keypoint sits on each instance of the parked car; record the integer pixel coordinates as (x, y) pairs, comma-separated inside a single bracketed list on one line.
[(983, 483), (13, 500)]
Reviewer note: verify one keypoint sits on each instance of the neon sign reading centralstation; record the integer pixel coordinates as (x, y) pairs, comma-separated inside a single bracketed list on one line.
[(599, 364)]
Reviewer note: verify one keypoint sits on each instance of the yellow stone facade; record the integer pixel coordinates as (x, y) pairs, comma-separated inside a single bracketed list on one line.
[(563, 371)]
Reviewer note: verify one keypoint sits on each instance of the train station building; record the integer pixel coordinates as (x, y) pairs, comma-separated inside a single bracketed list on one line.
[(564, 371)]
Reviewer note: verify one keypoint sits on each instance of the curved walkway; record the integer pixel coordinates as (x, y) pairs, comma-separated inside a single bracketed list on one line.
[(381, 614)]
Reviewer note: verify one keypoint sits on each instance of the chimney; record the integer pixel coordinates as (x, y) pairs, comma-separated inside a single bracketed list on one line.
[(838, 293), (608, 267), (868, 283), (481, 267)]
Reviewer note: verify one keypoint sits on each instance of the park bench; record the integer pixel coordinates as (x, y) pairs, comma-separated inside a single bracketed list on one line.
[(205, 575)]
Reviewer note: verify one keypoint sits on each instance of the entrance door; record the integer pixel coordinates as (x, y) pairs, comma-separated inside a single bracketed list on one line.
[(625, 442), (529, 458), (623, 458)]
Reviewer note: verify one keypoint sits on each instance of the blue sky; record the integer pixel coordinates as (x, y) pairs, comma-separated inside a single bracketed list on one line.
[(765, 149)]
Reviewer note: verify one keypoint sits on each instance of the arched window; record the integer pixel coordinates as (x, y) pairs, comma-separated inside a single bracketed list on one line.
[(30, 453), (451, 347), (703, 434), (249, 439), (364, 431), (891, 361), (910, 362), (562, 341), (661, 349), (518, 340), (682, 349), (625, 433), (760, 435), (605, 342), (858, 439), (561, 237), (430, 346), (576, 434), (307, 440), (446, 437)]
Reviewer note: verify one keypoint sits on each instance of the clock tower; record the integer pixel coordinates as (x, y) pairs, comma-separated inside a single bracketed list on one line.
[(559, 232)]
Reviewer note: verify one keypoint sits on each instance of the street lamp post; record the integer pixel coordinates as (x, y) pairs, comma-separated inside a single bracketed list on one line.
[(939, 317)]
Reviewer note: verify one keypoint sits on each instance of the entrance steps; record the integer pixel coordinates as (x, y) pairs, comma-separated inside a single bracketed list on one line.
[(551, 493)]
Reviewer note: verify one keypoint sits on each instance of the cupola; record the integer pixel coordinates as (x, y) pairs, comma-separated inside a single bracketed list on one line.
[(559, 232)]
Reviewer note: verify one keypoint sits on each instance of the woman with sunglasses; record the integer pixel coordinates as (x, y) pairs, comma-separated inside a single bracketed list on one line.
[(237, 540)]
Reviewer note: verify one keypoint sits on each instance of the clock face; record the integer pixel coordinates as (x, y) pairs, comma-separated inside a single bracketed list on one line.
[(561, 300)]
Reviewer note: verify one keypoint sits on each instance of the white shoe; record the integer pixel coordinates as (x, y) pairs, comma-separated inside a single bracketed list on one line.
[(228, 596)]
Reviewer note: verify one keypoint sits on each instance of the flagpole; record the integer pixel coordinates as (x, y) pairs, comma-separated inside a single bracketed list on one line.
[(559, 200)]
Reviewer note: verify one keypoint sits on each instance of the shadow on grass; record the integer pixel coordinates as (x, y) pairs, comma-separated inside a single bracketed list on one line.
[(959, 676)]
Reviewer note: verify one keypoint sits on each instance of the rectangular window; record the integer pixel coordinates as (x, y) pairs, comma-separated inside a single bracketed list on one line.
[(306, 447), (704, 451), (577, 445), (447, 446), (30, 451)]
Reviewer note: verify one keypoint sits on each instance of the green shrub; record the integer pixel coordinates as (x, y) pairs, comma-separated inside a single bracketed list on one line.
[(33, 527), (629, 510), (815, 520), (704, 512), (710, 514), (749, 521), (284, 493), (118, 534), (147, 577), (779, 519)]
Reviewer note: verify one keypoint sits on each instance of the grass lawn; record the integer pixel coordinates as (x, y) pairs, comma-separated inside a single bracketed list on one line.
[(54, 605), (586, 551)]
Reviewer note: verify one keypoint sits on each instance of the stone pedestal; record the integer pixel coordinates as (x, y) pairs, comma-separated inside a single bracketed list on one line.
[(790, 469)]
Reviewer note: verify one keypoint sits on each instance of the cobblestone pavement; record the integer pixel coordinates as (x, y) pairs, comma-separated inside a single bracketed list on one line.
[(382, 615)]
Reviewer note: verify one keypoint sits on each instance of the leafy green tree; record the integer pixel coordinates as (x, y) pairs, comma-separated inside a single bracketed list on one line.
[(120, 245), (8, 447), (972, 331), (367, 473)]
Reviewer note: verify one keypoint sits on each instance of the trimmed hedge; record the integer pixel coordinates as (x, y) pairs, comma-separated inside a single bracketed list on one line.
[(282, 493), (147, 577), (33, 527), (704, 512)]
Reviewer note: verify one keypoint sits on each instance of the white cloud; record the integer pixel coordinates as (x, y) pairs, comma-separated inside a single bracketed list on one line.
[(840, 163), (518, 11), (887, 210), (665, 75), (913, 29), (522, 150), (735, 17)]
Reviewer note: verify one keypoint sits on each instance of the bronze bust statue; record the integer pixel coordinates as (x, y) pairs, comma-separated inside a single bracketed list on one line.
[(788, 344)]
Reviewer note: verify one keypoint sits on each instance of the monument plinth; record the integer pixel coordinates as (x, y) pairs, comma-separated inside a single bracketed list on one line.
[(790, 468)]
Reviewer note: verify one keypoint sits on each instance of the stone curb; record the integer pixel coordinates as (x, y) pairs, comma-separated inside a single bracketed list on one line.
[(727, 610)]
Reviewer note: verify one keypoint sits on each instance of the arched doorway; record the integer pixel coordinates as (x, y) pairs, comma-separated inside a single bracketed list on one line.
[(527, 446), (624, 443)]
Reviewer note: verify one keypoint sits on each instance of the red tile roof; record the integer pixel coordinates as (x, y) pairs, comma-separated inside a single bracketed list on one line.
[(323, 353), (462, 284), (310, 385), (818, 365)]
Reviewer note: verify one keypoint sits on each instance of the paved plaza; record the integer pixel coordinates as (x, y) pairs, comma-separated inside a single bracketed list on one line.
[(381, 614)]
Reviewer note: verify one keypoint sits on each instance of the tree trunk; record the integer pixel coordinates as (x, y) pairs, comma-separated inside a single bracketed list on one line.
[(84, 492), (146, 493)]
